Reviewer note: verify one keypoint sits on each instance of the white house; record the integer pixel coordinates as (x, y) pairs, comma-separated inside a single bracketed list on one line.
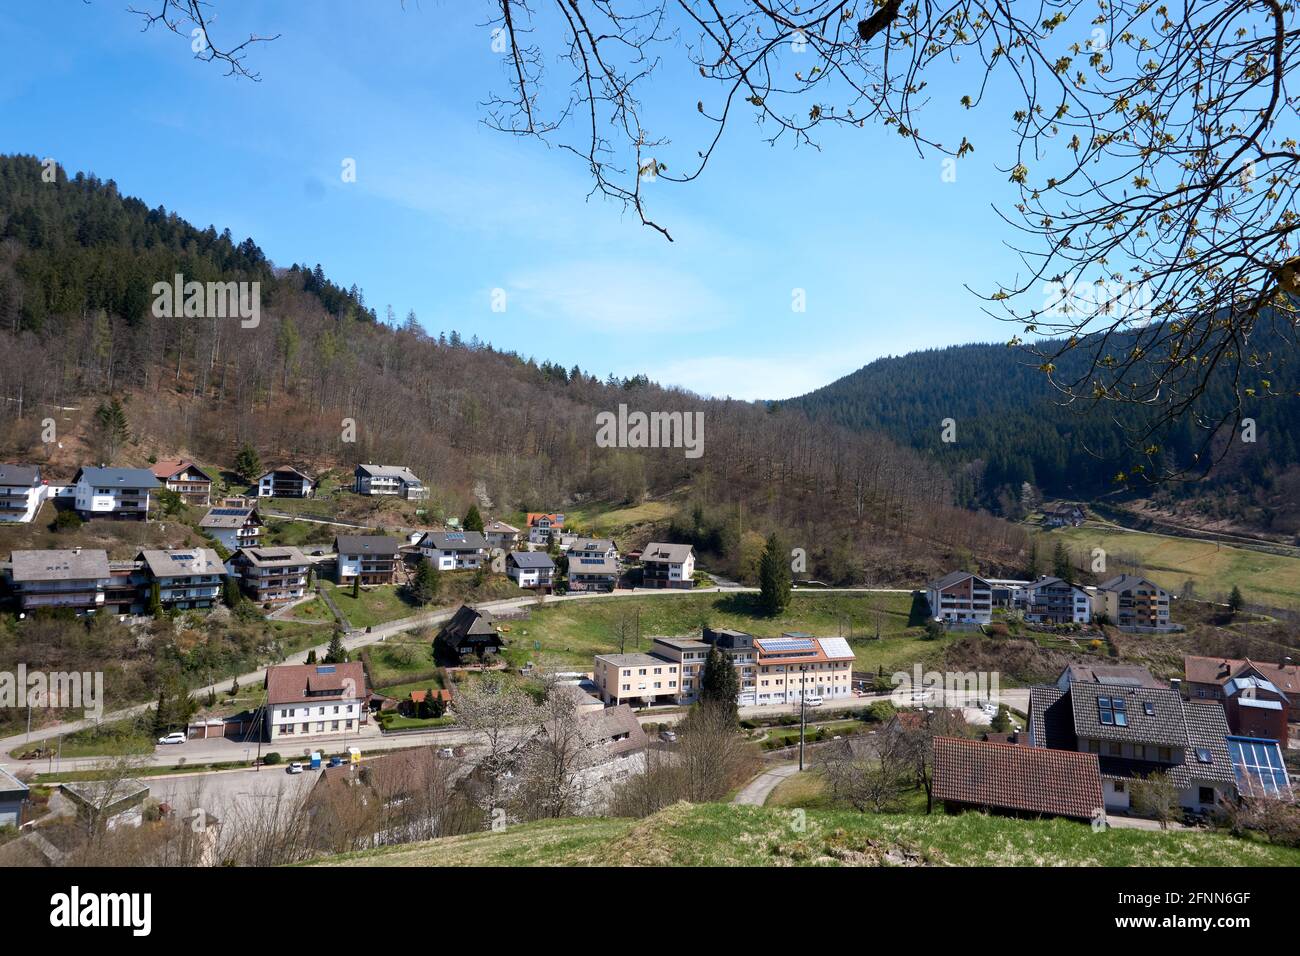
[(542, 526), (668, 565), (530, 569), (307, 700), (960, 598), (116, 492), (372, 479), (1053, 601), (234, 527), (21, 492), (454, 550), (285, 482)]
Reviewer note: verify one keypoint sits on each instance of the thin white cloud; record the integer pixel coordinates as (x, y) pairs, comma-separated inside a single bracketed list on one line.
[(754, 377)]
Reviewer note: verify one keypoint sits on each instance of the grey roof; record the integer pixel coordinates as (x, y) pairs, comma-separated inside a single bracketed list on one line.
[(499, 527), (366, 544), (227, 517), (1166, 727), (118, 477), (470, 627), (592, 544), (1207, 728), (682, 643), (454, 541), (954, 577), (530, 560), (1125, 582), (390, 471), (1047, 581), (1053, 722), (609, 733), (182, 561), (604, 565), (79, 564), (671, 553), (634, 660), (16, 475), (260, 557), (287, 469), (10, 784)]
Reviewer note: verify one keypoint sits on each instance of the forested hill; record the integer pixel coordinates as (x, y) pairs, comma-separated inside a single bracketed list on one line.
[(79, 261), (1012, 427)]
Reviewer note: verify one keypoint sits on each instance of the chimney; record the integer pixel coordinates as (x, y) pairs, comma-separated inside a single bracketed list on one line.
[(1176, 684)]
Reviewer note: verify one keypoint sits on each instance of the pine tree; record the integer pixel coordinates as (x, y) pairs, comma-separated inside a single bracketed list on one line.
[(356, 587), (114, 432), (1062, 567), (335, 654), (774, 577), (1235, 600), (427, 583), (230, 592), (718, 683), (473, 520), (155, 599), (247, 463)]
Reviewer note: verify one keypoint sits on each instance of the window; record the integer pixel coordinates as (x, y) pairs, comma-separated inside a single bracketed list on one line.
[(1115, 749), (1203, 756), (1148, 708), (1165, 754), (1104, 711), (1206, 795), (1121, 712), (1119, 786)]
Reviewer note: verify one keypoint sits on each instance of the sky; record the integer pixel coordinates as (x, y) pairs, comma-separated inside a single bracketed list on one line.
[(444, 210)]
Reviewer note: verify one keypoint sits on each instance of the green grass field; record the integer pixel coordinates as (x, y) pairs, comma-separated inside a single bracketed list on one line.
[(570, 633), (376, 605), (729, 835), (1269, 579)]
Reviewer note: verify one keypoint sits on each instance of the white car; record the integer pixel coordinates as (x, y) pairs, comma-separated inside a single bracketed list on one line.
[(813, 700), (176, 737), (294, 767)]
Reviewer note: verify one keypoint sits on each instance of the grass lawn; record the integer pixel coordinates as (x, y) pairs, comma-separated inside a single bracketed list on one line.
[(729, 835), (570, 633), (803, 791), (376, 605), (119, 738), (401, 662), (790, 735), (1268, 579), (421, 723), (607, 520)]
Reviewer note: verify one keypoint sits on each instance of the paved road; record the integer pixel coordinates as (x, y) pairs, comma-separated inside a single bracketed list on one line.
[(755, 793)]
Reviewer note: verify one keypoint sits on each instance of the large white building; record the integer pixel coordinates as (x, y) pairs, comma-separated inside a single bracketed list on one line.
[(308, 700), (114, 492), (393, 480), (960, 598)]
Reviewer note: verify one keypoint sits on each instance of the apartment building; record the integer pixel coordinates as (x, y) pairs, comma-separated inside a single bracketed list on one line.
[(593, 565), (270, 575), (22, 491), (306, 700), (1207, 678), (738, 647), (668, 566), (285, 482), (689, 654), (371, 557), (960, 598), (185, 578), (72, 578), (1131, 601), (1136, 731), (454, 550), (1051, 600), (234, 527), (113, 492), (637, 679), (796, 666), (187, 479), (388, 480), (501, 535)]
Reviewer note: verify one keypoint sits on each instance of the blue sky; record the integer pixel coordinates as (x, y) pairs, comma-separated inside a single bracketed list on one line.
[(444, 210)]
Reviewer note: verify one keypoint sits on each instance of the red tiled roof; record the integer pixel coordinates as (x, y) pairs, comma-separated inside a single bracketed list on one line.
[(291, 683), (417, 696), (555, 517), (1217, 670), (1012, 777)]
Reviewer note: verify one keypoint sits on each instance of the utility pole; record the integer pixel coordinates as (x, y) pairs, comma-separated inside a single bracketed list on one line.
[(803, 715)]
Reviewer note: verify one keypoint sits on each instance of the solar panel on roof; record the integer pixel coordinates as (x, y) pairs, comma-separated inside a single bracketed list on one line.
[(325, 669), (789, 644), (228, 512)]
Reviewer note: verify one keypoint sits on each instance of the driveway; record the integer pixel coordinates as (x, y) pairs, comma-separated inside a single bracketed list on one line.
[(756, 792)]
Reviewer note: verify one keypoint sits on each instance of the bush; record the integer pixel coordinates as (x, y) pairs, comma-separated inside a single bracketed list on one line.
[(271, 759), (879, 711), (67, 520)]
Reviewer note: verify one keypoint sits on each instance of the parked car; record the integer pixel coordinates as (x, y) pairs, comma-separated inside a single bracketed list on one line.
[(294, 767), (668, 736), (175, 737), (446, 753), (813, 700), (336, 761)]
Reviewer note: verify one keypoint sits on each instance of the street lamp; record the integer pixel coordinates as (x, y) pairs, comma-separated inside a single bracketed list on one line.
[(803, 714)]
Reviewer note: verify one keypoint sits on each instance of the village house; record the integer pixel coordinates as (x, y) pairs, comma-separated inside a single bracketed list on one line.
[(1051, 600), (186, 479), (542, 526), (1123, 675), (285, 482), (1256, 708), (270, 575), (668, 566), (531, 569), (107, 804), (737, 647), (796, 667), (689, 654), (14, 795), (1134, 732), (233, 527), (304, 700), (1014, 780), (80, 579), (113, 492), (389, 480), (1062, 514), (960, 598), (185, 577), (644, 679), (1206, 677), (593, 565), (454, 550), (22, 490), (470, 634), (1131, 601), (501, 535), (371, 557)]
